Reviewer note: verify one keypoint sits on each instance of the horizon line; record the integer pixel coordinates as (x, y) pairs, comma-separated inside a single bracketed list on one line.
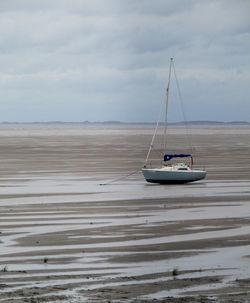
[(125, 122)]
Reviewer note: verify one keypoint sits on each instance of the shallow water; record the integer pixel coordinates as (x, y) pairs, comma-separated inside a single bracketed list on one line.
[(30, 222)]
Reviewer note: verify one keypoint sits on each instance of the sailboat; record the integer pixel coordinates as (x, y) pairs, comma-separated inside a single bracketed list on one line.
[(173, 172)]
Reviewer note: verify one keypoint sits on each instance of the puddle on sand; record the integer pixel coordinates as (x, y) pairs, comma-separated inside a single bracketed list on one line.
[(89, 190), (212, 261)]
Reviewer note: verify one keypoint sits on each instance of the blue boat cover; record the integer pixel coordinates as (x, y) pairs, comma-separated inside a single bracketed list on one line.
[(168, 157)]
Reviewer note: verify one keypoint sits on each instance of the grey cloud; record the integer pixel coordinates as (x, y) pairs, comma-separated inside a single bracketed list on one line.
[(114, 55)]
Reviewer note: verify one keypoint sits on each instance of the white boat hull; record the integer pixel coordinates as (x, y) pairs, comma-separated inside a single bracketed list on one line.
[(167, 176)]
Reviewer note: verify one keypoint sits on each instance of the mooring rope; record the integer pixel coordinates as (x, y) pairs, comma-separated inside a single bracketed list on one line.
[(120, 178)]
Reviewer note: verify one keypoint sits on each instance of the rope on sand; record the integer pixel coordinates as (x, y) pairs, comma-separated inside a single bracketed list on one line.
[(120, 178)]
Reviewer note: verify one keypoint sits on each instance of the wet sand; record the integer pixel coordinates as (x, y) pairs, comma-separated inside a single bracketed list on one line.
[(65, 238)]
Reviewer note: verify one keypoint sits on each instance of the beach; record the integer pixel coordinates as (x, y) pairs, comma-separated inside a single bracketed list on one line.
[(78, 222)]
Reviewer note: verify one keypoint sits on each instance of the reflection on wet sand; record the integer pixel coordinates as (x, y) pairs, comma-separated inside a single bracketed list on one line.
[(65, 238)]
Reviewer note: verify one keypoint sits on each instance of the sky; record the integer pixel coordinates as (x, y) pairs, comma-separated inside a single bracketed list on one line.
[(103, 60)]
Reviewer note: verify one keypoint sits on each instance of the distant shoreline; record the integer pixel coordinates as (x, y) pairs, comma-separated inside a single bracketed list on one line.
[(181, 123)]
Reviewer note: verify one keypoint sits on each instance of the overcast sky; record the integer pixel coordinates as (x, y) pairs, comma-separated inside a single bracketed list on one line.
[(96, 60)]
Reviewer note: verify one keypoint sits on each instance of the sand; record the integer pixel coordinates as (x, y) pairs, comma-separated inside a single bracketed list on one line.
[(65, 238)]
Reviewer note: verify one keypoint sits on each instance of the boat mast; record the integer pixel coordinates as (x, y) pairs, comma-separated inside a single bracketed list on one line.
[(166, 112)]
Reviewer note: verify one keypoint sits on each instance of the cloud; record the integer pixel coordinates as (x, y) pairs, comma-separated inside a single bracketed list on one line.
[(114, 55)]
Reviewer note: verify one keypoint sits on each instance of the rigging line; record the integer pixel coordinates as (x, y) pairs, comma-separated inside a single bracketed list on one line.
[(155, 131), (121, 178), (188, 136), (166, 110)]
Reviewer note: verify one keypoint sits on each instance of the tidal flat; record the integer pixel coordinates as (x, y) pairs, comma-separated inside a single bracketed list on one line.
[(64, 237)]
